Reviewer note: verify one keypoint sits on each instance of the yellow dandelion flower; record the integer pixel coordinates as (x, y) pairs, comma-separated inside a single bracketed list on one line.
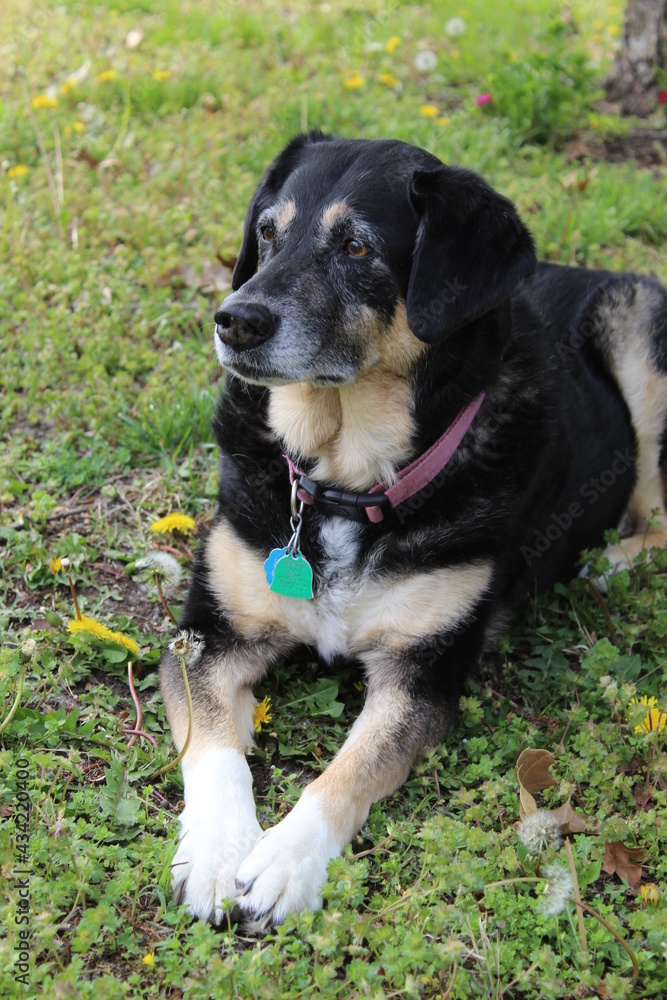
[(598, 25), (655, 722), (172, 522), (644, 702), (613, 30), (106, 75), (79, 127), (44, 101), (455, 54), (161, 74), (428, 111), (650, 894), (68, 85), (444, 120), (148, 959), (18, 170), (354, 81), (392, 44), (388, 79), (262, 715), (101, 631), (55, 564)]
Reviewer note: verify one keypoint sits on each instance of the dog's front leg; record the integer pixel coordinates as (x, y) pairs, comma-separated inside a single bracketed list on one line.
[(286, 869), (219, 823)]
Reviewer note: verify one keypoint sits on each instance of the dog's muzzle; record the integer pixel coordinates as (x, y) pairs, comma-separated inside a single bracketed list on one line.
[(243, 325)]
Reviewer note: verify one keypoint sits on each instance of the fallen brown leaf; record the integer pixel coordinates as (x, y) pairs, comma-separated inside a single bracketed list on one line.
[(573, 822), (623, 861), (533, 770)]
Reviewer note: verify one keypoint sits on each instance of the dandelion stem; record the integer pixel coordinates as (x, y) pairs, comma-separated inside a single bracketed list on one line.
[(605, 610), (76, 603), (45, 159), (17, 701), (577, 894), (614, 933), (164, 603), (135, 699), (174, 763)]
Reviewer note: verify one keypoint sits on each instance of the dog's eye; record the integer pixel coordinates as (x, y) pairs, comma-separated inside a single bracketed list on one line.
[(268, 233), (356, 248)]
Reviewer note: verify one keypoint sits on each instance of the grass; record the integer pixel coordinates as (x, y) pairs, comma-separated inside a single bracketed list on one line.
[(123, 208)]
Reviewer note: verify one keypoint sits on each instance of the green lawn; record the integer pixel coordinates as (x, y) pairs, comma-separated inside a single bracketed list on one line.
[(131, 137)]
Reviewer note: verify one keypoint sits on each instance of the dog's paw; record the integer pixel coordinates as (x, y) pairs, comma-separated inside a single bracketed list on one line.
[(285, 871), (218, 830)]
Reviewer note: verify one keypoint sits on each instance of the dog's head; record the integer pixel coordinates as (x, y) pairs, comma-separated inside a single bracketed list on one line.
[(342, 237)]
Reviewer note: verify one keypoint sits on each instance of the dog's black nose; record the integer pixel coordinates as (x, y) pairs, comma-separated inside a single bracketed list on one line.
[(243, 325)]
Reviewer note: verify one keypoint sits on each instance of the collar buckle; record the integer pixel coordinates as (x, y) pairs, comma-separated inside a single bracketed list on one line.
[(340, 503)]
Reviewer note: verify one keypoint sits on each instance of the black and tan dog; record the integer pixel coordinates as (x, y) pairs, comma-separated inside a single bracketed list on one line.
[(384, 303)]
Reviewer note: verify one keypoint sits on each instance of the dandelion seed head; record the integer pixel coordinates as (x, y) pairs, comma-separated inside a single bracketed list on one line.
[(189, 645), (539, 832), (425, 61), (166, 565), (557, 891), (455, 27)]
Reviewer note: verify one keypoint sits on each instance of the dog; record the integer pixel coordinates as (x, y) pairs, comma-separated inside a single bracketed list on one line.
[(421, 428)]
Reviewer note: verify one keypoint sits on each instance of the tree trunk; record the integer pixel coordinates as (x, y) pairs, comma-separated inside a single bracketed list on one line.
[(632, 82)]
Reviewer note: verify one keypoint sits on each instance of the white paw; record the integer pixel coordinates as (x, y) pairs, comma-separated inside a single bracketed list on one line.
[(285, 871), (218, 829)]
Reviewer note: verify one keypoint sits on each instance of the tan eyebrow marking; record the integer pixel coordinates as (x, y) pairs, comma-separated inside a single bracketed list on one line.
[(285, 213), (334, 212)]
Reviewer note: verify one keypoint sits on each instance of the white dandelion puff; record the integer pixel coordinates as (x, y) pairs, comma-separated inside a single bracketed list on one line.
[(425, 61), (557, 891), (189, 645), (539, 832), (455, 26), (167, 566)]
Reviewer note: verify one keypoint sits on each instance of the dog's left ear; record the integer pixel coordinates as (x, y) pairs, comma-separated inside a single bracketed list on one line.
[(471, 252)]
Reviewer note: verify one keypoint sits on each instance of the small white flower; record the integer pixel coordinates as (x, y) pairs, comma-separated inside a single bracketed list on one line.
[(455, 26), (557, 891), (134, 38), (425, 60), (539, 832)]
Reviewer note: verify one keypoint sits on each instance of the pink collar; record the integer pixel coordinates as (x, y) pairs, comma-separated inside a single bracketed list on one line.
[(409, 481)]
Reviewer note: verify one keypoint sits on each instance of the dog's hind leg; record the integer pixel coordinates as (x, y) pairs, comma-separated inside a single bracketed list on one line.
[(631, 319), (219, 824)]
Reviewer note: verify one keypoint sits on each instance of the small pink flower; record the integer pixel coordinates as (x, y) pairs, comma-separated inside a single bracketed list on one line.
[(483, 99), (662, 97)]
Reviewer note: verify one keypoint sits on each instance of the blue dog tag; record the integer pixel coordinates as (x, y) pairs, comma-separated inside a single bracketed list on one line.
[(270, 563)]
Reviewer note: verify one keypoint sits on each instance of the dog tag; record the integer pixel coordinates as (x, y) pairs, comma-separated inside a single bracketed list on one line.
[(270, 563), (293, 577)]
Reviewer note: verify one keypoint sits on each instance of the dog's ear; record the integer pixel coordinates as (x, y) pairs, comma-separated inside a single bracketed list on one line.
[(269, 186), (471, 251)]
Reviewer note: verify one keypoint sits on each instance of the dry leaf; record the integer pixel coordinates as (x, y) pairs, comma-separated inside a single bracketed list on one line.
[(527, 804), (574, 822), (533, 770), (207, 277), (623, 861)]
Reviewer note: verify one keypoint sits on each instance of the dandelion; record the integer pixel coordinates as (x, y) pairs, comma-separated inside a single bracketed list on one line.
[(455, 26), (44, 101), (100, 631), (79, 127), (106, 75), (55, 565), (18, 170), (443, 120), (539, 832), (428, 111), (388, 79), (392, 44), (483, 99), (613, 30), (188, 645), (161, 74), (172, 522), (262, 715), (149, 959), (165, 565), (425, 61), (557, 891), (650, 894), (354, 81), (655, 719)]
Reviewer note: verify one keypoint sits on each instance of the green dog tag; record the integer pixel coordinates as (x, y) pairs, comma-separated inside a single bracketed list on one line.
[(293, 577)]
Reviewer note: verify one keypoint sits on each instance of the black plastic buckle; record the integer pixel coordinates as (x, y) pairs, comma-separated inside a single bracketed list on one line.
[(341, 504)]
